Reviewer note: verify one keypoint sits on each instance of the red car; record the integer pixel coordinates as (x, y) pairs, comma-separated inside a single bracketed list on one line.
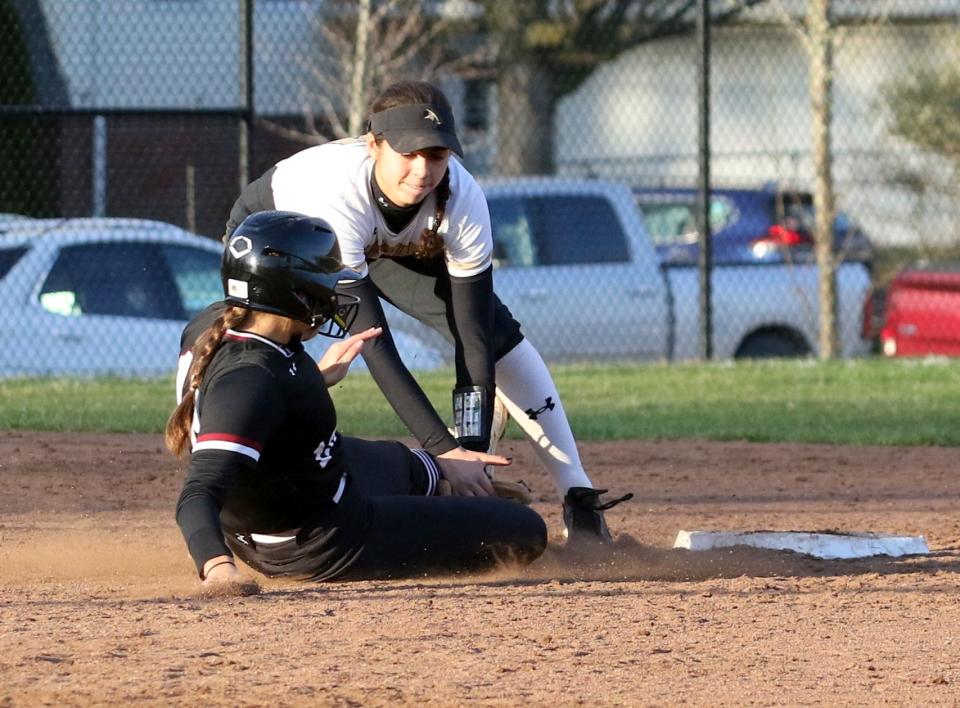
[(922, 312)]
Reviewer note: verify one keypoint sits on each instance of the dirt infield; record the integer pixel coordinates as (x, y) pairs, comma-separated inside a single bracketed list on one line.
[(98, 600)]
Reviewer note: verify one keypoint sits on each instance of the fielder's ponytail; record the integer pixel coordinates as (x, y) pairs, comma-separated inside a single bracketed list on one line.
[(178, 425), (431, 242)]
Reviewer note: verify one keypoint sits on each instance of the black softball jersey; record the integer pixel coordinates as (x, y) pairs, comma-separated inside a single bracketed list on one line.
[(266, 454)]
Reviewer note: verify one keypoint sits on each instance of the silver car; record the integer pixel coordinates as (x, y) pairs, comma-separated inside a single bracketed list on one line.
[(111, 296)]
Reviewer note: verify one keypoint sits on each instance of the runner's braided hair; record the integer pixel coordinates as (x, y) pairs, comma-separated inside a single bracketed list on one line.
[(178, 426), (405, 93)]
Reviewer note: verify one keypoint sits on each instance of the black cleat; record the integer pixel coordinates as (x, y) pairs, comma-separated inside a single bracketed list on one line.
[(583, 514)]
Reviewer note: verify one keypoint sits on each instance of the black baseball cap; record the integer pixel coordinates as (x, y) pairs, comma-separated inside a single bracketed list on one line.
[(416, 127)]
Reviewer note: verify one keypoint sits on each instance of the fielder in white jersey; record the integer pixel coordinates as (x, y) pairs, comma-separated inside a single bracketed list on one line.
[(334, 180), (414, 224)]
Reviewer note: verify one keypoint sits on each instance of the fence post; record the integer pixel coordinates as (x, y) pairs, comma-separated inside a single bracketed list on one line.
[(246, 124), (703, 187), (100, 163)]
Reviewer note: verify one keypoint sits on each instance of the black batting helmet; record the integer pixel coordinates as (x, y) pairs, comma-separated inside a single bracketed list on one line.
[(288, 264)]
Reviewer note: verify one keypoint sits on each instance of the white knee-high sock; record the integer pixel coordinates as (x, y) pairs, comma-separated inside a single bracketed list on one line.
[(526, 388)]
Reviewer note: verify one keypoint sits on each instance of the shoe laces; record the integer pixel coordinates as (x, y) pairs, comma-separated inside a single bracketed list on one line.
[(592, 500), (613, 502)]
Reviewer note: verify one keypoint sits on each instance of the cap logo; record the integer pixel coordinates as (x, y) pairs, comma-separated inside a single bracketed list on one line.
[(240, 246), (430, 115)]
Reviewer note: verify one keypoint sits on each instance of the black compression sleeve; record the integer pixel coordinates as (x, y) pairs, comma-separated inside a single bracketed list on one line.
[(198, 512), (473, 306), (472, 300), (392, 376)]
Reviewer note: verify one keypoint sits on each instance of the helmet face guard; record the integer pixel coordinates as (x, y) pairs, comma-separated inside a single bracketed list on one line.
[(338, 324), (288, 264)]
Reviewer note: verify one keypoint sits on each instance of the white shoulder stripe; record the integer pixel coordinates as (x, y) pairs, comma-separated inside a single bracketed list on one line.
[(229, 447)]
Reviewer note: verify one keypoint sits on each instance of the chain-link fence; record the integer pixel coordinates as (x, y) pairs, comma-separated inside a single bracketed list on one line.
[(119, 114)]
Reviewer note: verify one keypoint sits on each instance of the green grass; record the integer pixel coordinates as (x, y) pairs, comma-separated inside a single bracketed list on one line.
[(873, 401), (861, 402), (89, 405)]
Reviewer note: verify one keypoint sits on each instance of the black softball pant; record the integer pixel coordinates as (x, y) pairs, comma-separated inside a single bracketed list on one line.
[(382, 527)]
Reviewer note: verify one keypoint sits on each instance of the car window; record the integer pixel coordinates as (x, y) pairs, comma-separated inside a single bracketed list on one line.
[(196, 274), (794, 210), (675, 222), (556, 230), (669, 223), (9, 258), (799, 214), (571, 230), (121, 279), (722, 214), (512, 233)]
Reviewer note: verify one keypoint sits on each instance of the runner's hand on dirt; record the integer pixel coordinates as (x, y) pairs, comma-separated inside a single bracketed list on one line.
[(464, 470)]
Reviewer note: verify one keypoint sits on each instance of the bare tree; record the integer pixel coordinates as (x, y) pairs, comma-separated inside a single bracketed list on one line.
[(821, 36), (362, 45), (820, 45), (817, 35)]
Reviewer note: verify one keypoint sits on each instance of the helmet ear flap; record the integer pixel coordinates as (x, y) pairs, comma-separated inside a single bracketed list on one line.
[(302, 297)]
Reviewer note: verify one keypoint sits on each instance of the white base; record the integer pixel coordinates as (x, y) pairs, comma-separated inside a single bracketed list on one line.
[(821, 545)]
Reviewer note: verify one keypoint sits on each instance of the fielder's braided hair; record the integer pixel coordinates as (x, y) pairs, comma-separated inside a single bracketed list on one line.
[(178, 425), (431, 242), (405, 93)]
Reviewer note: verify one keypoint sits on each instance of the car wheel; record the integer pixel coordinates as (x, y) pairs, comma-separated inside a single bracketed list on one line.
[(772, 345)]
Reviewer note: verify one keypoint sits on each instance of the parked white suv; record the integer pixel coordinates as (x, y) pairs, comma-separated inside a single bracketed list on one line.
[(111, 296)]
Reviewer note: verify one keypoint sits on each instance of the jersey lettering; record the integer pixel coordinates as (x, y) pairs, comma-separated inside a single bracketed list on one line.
[(324, 452)]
